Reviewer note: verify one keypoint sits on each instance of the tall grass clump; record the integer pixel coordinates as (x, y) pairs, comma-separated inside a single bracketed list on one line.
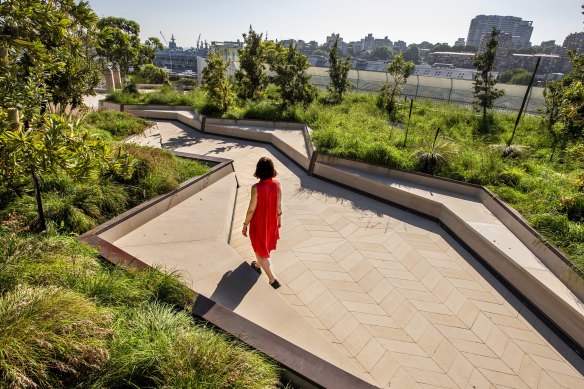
[(166, 95), (154, 346), (50, 337), (28, 259), (122, 97), (157, 171), (119, 124)]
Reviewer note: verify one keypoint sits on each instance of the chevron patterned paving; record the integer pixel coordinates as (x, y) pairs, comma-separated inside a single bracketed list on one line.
[(392, 291)]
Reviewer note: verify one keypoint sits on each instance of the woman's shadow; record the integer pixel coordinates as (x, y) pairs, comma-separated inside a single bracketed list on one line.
[(234, 285)]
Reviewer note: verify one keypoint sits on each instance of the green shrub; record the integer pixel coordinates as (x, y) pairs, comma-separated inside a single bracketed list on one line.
[(153, 346), (511, 177), (71, 205), (50, 337), (552, 224), (157, 171), (131, 88), (576, 234), (119, 124), (122, 97), (510, 195), (54, 260), (150, 74)]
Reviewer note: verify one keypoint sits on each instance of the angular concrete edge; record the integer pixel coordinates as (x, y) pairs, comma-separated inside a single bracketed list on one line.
[(556, 310), (306, 368), (143, 213), (543, 299), (301, 366), (553, 259)]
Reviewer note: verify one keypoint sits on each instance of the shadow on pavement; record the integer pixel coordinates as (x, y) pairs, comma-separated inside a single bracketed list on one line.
[(234, 285)]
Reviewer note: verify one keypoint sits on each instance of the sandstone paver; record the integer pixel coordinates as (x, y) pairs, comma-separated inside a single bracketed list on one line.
[(392, 290)]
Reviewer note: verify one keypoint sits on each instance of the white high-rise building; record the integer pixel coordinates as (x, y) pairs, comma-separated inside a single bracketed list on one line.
[(519, 29)]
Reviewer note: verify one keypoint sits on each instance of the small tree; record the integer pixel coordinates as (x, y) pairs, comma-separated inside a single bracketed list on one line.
[(291, 78), (515, 77), (216, 83), (119, 43), (45, 53), (56, 144), (485, 93), (412, 53), (151, 74), (338, 72), (382, 53), (572, 103), (551, 112), (251, 77), (400, 70)]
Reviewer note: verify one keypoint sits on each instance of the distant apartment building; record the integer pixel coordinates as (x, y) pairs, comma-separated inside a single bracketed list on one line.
[(550, 64), (548, 44), (519, 29), (342, 46), (308, 47), (451, 59), (575, 41), (385, 42), (444, 71), (460, 42), (289, 42)]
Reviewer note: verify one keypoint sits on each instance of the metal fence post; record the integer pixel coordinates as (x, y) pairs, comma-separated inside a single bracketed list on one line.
[(417, 86), (451, 87), (357, 79)]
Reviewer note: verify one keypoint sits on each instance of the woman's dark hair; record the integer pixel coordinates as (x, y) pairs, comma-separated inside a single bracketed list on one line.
[(265, 169)]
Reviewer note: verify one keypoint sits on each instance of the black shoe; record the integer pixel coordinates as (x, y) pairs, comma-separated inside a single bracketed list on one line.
[(275, 284), (255, 266)]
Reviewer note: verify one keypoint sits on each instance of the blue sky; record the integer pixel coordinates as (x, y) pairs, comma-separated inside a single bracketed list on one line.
[(410, 20)]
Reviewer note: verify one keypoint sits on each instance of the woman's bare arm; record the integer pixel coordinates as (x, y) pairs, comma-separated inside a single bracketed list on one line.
[(279, 205), (253, 202)]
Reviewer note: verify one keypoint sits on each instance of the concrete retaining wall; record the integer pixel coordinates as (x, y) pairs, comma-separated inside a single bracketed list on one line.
[(136, 217), (108, 105), (255, 123)]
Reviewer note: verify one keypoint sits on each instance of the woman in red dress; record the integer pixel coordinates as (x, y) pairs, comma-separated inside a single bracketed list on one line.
[(264, 217)]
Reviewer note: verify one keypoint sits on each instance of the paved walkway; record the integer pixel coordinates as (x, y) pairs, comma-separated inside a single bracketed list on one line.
[(394, 293)]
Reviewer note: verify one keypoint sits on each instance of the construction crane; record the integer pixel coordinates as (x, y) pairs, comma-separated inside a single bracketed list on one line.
[(169, 50), (198, 40)]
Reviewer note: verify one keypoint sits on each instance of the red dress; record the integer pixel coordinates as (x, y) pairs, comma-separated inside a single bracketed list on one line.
[(263, 226)]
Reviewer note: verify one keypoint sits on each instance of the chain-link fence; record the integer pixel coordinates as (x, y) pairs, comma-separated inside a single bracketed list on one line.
[(449, 90)]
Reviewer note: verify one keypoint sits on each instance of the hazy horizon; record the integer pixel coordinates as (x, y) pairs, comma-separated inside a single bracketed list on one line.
[(416, 20)]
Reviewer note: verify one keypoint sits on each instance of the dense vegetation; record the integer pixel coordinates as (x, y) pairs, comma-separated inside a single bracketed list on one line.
[(547, 193), (68, 319)]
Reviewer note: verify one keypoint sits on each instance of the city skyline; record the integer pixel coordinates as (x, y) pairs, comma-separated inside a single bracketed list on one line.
[(443, 21)]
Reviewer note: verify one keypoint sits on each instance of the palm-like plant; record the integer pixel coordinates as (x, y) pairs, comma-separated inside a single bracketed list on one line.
[(432, 160)]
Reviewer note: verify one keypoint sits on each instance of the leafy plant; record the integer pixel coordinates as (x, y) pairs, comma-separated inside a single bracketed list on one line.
[(400, 70), (338, 72), (251, 77), (485, 93), (291, 78), (430, 161), (216, 83), (57, 144), (150, 74)]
